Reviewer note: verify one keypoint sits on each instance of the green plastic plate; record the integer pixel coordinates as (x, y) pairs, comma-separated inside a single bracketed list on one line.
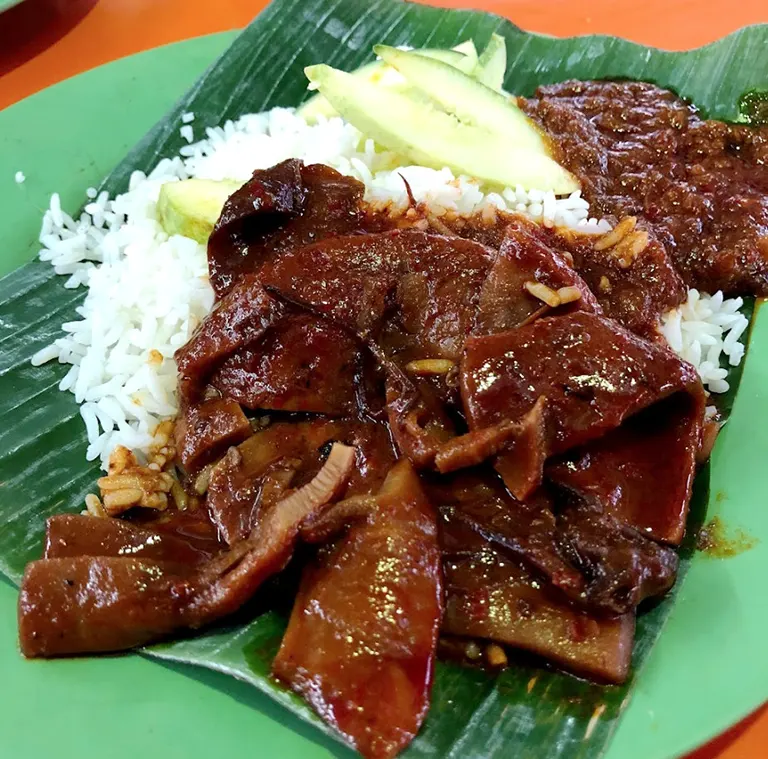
[(709, 669), (7, 4)]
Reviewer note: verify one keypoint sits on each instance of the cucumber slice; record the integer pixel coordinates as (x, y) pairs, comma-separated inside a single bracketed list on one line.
[(452, 58), (192, 207), (379, 73), (431, 137), (318, 106), (492, 64), (468, 48), (314, 108), (471, 102)]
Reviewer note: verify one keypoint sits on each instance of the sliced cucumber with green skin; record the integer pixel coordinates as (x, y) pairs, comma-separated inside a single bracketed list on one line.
[(471, 102), (379, 73), (192, 207), (433, 138), (492, 64)]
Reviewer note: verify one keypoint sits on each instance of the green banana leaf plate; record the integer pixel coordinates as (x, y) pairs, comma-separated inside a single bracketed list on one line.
[(709, 667)]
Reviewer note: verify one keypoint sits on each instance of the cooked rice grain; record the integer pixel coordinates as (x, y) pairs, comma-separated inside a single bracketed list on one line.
[(706, 331)]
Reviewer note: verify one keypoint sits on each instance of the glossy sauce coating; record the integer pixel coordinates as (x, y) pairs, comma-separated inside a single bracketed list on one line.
[(489, 596), (643, 472), (181, 539), (237, 484), (360, 643), (701, 186), (523, 258), (280, 209), (592, 373), (301, 364)]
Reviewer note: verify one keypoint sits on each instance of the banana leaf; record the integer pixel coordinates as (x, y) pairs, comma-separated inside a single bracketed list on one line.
[(528, 711)]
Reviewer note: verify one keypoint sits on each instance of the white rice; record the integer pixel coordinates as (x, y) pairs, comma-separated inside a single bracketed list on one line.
[(706, 331), (187, 133), (144, 301), (147, 292)]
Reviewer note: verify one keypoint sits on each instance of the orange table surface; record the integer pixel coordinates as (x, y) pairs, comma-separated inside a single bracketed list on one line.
[(45, 41)]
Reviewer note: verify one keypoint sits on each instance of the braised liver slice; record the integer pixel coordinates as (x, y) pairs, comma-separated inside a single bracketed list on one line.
[(238, 320), (636, 296), (642, 472), (592, 373), (282, 208), (525, 258), (422, 286), (205, 430), (302, 363)]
